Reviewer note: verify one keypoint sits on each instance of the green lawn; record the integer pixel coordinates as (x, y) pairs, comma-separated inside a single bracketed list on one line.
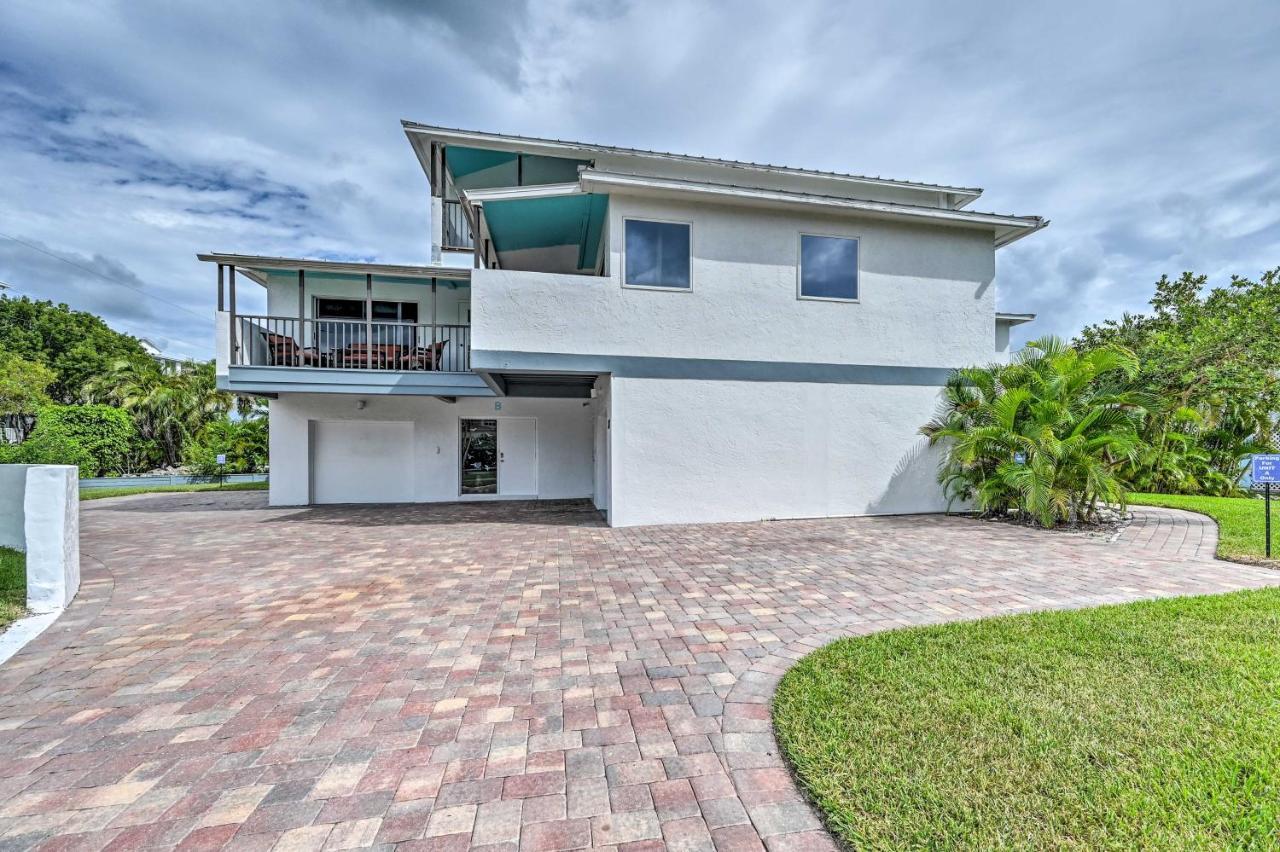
[(99, 493), (1149, 725), (1241, 522), (13, 586)]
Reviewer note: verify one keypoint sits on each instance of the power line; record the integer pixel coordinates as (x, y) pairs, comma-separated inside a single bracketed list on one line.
[(101, 275)]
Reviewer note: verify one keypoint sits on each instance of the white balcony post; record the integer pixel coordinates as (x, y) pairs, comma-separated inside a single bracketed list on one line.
[(368, 319), (302, 311), (235, 350)]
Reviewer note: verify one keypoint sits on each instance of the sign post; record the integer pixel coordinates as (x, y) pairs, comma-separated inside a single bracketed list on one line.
[(222, 472), (1265, 470)]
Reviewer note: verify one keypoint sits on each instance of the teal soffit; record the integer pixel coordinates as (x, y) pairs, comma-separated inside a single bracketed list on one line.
[(540, 223), (481, 168)]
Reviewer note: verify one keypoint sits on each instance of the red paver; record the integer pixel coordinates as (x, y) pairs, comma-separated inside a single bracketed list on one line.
[(501, 675)]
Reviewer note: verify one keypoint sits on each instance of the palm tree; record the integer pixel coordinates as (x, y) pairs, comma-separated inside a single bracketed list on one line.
[(1044, 436), (168, 406)]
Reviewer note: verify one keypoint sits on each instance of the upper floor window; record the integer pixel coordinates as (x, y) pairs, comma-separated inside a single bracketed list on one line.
[(353, 309), (828, 268), (656, 254)]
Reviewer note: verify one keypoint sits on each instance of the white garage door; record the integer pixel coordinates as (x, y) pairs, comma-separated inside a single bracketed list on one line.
[(361, 461)]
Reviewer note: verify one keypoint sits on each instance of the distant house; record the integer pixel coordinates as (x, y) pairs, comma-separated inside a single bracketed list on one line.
[(166, 362), (15, 427), (681, 339)]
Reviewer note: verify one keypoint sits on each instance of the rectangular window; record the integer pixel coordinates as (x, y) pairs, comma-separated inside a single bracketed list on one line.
[(353, 309), (828, 268), (656, 254)]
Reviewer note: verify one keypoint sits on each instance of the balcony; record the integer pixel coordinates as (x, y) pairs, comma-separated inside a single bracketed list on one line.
[(269, 355), (343, 327), (456, 234), (265, 341)]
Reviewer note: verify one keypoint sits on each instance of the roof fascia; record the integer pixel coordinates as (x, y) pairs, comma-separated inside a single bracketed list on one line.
[(255, 262), (557, 147), (515, 193), (1007, 228)]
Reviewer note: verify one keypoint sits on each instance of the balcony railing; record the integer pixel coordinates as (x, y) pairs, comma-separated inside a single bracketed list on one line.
[(351, 344), (457, 230)]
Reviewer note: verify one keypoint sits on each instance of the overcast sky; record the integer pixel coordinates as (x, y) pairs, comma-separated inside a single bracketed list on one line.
[(134, 134)]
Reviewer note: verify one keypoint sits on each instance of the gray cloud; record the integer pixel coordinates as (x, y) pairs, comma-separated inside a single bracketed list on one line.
[(143, 134), (99, 284)]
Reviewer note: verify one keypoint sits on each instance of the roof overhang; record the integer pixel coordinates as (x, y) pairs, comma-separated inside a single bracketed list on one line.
[(256, 267), (421, 137), (551, 227), (1005, 229), (1014, 319)]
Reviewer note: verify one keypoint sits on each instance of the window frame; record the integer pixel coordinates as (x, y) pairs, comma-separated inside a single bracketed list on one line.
[(656, 287), (399, 303), (857, 269)]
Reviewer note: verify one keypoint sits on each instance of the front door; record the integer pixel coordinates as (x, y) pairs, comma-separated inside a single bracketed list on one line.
[(479, 457), (518, 456)]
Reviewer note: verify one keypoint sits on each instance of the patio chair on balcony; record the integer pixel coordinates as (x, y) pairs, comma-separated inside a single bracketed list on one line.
[(425, 357), (285, 352)]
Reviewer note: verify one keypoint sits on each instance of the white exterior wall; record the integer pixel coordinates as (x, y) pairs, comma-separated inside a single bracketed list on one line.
[(1002, 342), (926, 295), (602, 412), (701, 451), (564, 441), (282, 295)]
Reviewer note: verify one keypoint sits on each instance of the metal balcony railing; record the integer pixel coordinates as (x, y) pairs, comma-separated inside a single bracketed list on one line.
[(457, 230), (264, 341)]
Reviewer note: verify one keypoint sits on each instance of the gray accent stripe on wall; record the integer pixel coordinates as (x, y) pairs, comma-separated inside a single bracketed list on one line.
[(644, 367)]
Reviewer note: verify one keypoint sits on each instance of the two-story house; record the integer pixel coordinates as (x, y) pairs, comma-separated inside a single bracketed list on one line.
[(679, 338)]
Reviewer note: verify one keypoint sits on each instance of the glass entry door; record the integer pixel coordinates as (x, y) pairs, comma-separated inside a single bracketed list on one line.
[(479, 456)]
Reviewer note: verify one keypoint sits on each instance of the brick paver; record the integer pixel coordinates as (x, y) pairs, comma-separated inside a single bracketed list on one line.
[(505, 676)]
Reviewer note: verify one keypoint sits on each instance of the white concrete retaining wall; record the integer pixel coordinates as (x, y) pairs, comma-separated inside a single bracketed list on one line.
[(40, 515)]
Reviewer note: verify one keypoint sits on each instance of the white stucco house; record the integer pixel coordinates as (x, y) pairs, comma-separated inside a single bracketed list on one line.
[(680, 339)]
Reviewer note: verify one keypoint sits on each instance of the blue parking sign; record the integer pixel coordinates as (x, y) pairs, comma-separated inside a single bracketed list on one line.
[(1265, 468)]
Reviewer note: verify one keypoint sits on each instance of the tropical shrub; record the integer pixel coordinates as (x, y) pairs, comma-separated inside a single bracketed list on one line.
[(1048, 435), (50, 446), (106, 434), (243, 442)]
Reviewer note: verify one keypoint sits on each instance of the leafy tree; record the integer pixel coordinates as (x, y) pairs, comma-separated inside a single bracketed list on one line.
[(243, 442), (23, 386), (1209, 366), (1047, 435), (76, 345)]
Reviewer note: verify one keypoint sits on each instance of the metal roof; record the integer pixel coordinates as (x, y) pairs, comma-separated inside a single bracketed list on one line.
[(337, 266), (1017, 226), (412, 127)]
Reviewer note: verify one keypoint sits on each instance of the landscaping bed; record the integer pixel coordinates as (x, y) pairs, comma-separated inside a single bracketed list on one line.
[(1148, 725), (1241, 521), (13, 586)]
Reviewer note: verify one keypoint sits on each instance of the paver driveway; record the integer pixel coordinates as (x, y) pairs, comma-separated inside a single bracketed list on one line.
[(514, 676)]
